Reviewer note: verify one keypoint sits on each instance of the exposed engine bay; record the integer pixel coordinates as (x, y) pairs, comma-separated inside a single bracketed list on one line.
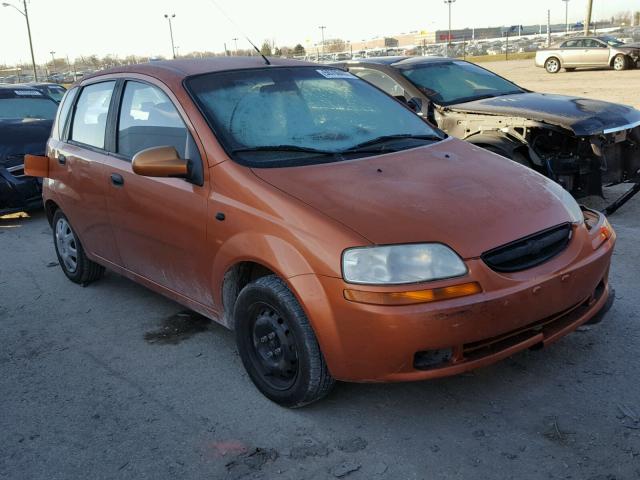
[(582, 164)]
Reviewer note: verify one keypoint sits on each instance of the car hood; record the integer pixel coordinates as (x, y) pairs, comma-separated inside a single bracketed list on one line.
[(580, 115), (450, 192), (18, 137)]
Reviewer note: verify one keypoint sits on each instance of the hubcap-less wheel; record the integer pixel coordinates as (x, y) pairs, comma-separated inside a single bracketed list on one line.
[(552, 65), (274, 347), (67, 245)]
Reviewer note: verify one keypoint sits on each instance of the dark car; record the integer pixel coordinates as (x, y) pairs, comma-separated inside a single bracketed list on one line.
[(26, 116), (582, 144), (53, 90)]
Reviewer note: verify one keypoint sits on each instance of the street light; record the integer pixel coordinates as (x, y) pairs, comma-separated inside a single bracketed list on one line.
[(53, 62), (235, 39), (449, 2), (169, 17), (322, 27), (25, 13), (566, 14)]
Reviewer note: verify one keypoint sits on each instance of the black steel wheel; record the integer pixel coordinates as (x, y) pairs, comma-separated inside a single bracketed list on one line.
[(277, 345)]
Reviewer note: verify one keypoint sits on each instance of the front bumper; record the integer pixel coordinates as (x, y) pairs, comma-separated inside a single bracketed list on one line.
[(18, 192), (373, 343)]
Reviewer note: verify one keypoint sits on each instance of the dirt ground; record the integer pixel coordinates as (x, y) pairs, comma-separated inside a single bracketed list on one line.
[(113, 381), (620, 87)]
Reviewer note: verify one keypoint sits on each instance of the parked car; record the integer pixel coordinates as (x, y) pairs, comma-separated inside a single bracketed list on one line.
[(339, 234), (580, 143), (53, 90), (26, 116), (604, 51)]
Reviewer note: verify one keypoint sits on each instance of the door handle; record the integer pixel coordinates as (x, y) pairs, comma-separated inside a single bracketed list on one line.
[(62, 159), (117, 179)]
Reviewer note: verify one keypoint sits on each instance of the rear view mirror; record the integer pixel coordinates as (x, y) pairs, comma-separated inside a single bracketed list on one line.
[(415, 104), (159, 162)]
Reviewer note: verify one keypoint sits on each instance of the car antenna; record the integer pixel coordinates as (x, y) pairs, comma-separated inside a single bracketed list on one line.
[(266, 60)]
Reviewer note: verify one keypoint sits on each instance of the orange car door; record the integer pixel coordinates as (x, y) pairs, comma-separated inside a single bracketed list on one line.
[(159, 223), (78, 169)]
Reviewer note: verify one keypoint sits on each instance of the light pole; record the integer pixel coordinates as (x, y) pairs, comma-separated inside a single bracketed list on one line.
[(449, 2), (322, 27), (566, 14), (25, 13), (587, 20), (169, 17), (53, 62), (235, 40)]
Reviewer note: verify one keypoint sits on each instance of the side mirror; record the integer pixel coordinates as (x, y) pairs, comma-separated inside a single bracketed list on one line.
[(159, 162), (415, 104)]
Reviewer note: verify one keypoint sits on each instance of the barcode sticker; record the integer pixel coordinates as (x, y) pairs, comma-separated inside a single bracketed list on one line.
[(27, 92), (335, 73)]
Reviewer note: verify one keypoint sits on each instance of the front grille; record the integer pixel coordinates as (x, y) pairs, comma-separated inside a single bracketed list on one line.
[(529, 251)]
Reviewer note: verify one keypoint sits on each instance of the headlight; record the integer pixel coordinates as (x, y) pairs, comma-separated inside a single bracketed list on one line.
[(570, 204), (396, 264)]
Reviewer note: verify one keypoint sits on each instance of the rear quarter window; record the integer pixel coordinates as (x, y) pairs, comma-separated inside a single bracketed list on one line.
[(63, 113)]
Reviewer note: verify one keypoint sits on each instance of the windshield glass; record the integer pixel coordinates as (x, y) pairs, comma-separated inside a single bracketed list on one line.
[(612, 41), (273, 116), (41, 108), (448, 83)]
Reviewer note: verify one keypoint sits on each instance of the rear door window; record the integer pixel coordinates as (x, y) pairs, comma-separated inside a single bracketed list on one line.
[(149, 119), (90, 118)]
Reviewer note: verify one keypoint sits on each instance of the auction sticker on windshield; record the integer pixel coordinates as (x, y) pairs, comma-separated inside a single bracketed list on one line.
[(28, 92), (334, 73)]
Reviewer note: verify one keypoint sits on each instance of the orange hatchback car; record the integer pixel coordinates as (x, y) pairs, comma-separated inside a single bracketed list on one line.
[(338, 234)]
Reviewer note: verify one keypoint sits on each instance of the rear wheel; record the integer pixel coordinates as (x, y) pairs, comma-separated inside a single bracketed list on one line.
[(74, 262), (277, 345), (552, 65), (620, 63)]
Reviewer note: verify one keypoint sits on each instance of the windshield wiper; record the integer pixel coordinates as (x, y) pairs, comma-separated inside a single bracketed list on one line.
[(282, 148), (388, 138)]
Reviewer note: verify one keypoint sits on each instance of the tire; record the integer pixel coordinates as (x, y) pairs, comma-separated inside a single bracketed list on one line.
[(552, 65), (277, 345), (620, 62), (71, 256)]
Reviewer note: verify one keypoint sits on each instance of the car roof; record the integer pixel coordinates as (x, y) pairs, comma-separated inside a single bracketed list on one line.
[(397, 61), (182, 68)]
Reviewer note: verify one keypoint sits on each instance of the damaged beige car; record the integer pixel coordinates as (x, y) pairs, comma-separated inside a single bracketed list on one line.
[(582, 144)]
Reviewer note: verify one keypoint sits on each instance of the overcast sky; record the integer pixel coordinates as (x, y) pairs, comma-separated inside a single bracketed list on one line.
[(123, 27)]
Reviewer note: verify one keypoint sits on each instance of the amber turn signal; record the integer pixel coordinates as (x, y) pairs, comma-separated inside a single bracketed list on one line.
[(412, 297), (604, 234)]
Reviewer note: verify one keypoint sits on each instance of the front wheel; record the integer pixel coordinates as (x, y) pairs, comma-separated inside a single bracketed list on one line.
[(74, 262), (552, 65), (620, 63), (277, 345)]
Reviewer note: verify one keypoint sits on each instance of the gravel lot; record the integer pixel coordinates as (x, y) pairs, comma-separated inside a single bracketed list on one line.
[(620, 87), (113, 381)]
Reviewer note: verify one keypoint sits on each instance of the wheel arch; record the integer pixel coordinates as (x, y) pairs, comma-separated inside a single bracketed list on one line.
[(50, 208), (233, 268)]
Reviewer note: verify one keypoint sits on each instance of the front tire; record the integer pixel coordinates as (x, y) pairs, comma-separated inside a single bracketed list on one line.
[(552, 65), (277, 345), (620, 62), (71, 256)]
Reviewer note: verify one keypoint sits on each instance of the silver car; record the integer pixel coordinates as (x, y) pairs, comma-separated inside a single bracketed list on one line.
[(602, 51)]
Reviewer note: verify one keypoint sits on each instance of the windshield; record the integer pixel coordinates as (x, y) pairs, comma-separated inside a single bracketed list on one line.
[(40, 108), (277, 116), (612, 41), (448, 83)]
